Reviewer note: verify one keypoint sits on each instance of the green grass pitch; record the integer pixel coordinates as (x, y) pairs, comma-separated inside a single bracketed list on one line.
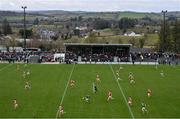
[(49, 88)]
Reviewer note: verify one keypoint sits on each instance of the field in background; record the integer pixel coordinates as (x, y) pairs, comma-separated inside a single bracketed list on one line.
[(48, 84), (150, 41), (139, 15)]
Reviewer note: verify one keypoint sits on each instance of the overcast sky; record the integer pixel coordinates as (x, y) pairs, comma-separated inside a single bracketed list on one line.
[(93, 5)]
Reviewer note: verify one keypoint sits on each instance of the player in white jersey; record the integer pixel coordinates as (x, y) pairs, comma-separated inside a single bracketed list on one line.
[(130, 101), (15, 104), (131, 78), (27, 85), (60, 111)]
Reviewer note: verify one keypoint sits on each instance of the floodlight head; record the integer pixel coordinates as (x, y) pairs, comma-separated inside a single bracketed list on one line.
[(24, 7), (164, 11)]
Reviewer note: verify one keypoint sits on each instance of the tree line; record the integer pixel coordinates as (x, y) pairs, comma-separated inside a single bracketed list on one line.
[(169, 37), (124, 23), (6, 28)]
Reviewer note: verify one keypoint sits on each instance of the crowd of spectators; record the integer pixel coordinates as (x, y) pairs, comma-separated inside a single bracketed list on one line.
[(70, 57), (161, 58), (158, 57), (12, 57), (95, 57)]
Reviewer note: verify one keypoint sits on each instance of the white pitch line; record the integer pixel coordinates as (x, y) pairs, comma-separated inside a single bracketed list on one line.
[(132, 115), (5, 67), (65, 90)]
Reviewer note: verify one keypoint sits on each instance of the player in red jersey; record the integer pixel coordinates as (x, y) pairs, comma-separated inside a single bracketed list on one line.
[(109, 96), (149, 93)]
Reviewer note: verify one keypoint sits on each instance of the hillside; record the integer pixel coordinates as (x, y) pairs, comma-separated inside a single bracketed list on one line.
[(64, 15)]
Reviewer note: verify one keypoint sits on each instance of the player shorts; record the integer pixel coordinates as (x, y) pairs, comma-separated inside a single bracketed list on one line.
[(132, 81), (61, 111), (143, 109), (129, 102), (16, 105)]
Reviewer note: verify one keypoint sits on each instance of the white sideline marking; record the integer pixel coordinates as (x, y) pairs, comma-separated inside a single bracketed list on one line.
[(5, 67), (132, 115), (65, 90)]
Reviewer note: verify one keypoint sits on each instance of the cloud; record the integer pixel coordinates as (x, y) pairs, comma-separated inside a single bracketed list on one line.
[(12, 4), (93, 5)]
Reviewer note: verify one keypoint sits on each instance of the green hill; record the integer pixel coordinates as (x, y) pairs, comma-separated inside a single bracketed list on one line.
[(64, 15)]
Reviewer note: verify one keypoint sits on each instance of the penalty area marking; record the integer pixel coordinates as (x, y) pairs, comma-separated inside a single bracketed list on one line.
[(132, 115), (65, 90)]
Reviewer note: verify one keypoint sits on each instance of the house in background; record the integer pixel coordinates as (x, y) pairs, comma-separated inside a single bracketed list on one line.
[(132, 34)]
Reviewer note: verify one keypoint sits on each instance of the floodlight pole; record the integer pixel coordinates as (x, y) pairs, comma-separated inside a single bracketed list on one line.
[(164, 25), (24, 8)]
